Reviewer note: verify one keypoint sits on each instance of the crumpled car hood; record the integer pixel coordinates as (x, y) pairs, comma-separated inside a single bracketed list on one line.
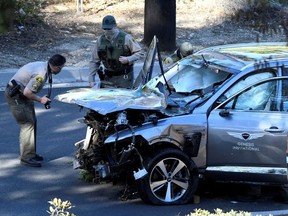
[(108, 100)]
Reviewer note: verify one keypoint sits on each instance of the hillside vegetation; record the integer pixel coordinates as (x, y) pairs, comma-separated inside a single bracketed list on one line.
[(55, 26)]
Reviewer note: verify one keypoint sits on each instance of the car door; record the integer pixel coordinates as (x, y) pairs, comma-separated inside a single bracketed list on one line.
[(248, 132)]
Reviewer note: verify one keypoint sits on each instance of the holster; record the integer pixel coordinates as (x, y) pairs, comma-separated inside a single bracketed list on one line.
[(101, 73), (14, 89)]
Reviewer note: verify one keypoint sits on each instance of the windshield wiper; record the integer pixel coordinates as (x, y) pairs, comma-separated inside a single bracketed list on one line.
[(206, 63), (202, 93)]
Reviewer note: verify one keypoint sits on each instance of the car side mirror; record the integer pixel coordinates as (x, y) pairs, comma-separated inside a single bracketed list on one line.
[(224, 113)]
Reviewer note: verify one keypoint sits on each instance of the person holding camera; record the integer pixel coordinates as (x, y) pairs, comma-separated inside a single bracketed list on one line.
[(117, 51), (21, 92)]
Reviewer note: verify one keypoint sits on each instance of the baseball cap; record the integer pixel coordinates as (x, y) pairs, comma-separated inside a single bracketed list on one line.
[(108, 22), (57, 60)]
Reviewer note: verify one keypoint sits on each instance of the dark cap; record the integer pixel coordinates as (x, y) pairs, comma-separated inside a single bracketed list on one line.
[(57, 60), (108, 22)]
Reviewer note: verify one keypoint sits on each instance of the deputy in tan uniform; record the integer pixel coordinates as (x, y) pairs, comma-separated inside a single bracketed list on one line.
[(184, 50), (117, 51), (21, 92)]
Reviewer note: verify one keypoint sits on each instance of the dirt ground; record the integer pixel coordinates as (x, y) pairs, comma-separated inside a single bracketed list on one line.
[(202, 22)]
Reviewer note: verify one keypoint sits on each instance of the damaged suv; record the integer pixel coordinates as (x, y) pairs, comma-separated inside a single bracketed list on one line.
[(218, 114)]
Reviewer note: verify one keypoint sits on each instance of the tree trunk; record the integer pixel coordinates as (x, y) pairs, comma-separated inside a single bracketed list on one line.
[(7, 8), (160, 20)]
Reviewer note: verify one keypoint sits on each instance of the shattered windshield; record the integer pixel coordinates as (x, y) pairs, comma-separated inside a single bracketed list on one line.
[(190, 82), (187, 76), (190, 78)]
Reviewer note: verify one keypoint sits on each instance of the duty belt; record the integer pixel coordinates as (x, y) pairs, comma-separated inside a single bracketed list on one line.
[(117, 73)]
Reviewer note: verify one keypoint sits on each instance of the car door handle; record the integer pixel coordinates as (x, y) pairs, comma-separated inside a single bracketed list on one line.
[(274, 130)]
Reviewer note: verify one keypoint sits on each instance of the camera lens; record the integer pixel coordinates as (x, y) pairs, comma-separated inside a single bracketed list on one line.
[(47, 105)]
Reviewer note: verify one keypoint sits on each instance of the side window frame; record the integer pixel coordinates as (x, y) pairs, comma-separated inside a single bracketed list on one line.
[(277, 102), (272, 71), (258, 97)]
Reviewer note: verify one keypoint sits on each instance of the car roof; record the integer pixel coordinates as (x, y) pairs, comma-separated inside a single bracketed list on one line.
[(237, 57)]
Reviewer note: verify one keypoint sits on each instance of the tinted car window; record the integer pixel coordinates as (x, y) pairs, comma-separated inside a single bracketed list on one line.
[(285, 91), (285, 71)]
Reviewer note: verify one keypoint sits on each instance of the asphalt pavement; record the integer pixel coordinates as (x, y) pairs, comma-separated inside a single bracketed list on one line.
[(25, 191)]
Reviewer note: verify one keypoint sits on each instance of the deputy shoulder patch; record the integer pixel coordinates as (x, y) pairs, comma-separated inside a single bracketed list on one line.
[(35, 86), (39, 79)]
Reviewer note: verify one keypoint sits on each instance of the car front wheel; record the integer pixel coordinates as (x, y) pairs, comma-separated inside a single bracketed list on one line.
[(172, 179)]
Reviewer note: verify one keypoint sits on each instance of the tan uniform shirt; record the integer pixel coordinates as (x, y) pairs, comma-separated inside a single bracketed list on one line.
[(32, 75)]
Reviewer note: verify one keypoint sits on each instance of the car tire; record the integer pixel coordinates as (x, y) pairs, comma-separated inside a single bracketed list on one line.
[(163, 187)]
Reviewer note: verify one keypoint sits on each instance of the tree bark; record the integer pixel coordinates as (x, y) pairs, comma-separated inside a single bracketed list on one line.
[(160, 20), (7, 8)]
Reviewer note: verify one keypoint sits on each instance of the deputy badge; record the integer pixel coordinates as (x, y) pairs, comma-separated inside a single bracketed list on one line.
[(39, 79)]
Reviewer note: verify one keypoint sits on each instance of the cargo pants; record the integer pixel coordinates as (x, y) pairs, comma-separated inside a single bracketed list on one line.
[(24, 113)]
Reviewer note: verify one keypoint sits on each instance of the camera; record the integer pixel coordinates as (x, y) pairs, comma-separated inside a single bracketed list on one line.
[(47, 105), (101, 73)]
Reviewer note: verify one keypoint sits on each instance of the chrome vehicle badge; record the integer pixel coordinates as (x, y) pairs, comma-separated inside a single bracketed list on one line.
[(246, 136)]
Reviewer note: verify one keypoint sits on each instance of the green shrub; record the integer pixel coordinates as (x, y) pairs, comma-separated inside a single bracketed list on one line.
[(27, 12)]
